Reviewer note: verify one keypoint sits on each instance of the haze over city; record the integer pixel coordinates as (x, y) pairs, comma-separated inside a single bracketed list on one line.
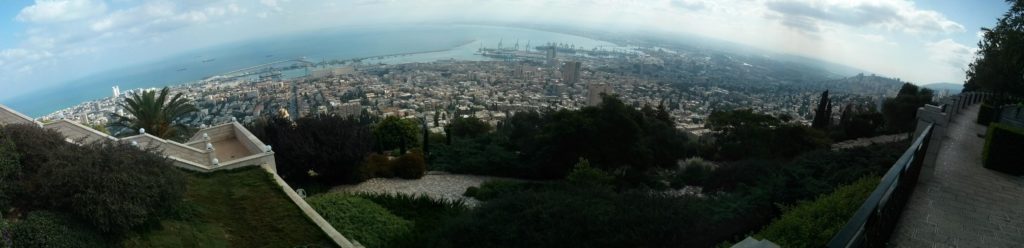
[(51, 43)]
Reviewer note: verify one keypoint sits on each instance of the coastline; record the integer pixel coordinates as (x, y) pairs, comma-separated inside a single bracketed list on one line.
[(394, 55), (321, 65), (447, 43)]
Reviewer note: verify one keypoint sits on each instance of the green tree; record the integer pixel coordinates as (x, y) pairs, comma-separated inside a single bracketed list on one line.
[(331, 146), (823, 115), (744, 134), (860, 122), (901, 112), (157, 114), (999, 66), (396, 133), (736, 120), (468, 127)]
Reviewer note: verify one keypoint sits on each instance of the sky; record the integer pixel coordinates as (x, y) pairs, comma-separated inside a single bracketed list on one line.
[(47, 43)]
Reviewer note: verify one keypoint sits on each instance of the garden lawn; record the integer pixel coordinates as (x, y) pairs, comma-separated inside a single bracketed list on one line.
[(237, 208)]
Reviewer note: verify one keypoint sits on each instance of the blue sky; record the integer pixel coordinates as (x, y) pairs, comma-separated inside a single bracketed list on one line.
[(47, 43)]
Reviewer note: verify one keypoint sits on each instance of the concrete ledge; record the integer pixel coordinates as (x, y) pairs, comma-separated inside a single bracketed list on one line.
[(9, 116), (338, 239), (263, 158), (70, 129), (185, 164)]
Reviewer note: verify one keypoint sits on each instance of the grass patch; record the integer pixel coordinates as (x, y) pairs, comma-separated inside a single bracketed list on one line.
[(237, 208)]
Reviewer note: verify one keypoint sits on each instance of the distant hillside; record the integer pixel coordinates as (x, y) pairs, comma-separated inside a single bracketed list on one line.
[(939, 87), (871, 85)]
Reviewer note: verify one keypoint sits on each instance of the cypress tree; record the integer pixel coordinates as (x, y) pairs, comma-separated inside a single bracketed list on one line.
[(823, 115)]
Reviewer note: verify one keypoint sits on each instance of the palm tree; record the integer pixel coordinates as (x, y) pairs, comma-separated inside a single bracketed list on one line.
[(156, 114)]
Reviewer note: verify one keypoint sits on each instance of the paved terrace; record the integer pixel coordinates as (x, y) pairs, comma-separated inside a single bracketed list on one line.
[(959, 203)]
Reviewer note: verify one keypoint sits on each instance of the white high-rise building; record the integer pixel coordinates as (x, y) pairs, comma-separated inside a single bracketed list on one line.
[(117, 91)]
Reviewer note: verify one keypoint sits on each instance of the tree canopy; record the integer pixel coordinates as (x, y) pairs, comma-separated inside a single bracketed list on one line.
[(999, 66), (157, 114), (331, 147), (901, 112), (744, 134), (396, 133), (612, 136), (468, 127), (823, 115)]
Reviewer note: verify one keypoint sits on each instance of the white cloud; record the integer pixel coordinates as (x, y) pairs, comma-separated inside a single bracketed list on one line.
[(878, 39), (898, 15), (273, 4), (860, 33), (235, 9), (950, 53), (48, 11), (24, 55)]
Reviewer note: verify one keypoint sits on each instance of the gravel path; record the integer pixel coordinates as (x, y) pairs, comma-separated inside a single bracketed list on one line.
[(437, 185)]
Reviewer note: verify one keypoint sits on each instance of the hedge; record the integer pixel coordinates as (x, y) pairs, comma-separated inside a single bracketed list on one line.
[(361, 219), (495, 188), (987, 114), (49, 229), (10, 170), (1003, 144), (812, 224)]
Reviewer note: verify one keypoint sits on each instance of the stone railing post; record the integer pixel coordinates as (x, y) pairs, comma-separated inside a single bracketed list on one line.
[(211, 152), (949, 106)]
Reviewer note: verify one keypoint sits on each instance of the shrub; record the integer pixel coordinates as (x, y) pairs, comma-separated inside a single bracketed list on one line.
[(413, 207), (693, 171), (494, 189), (472, 191), (580, 217), (813, 223), (48, 229), (113, 186), (427, 214), (36, 145), (987, 114), (376, 165), (410, 165), (584, 175), (361, 219), (478, 156), (1002, 146), (10, 170)]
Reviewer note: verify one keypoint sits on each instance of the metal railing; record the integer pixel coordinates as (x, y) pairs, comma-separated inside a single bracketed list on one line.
[(874, 222)]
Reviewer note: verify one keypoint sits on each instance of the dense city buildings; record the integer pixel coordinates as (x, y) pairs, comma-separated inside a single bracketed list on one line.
[(518, 79)]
